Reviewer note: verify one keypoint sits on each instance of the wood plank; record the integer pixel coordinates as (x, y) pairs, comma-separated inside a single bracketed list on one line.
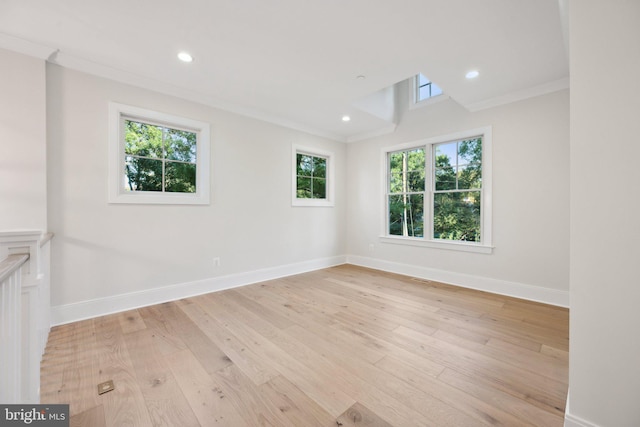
[(342, 345), (516, 406), (482, 412), (240, 353), (358, 416), (131, 321), (93, 417), (546, 393), (124, 405), (206, 396), (299, 408), (289, 358), (253, 406), (385, 392), (166, 404), (210, 356)]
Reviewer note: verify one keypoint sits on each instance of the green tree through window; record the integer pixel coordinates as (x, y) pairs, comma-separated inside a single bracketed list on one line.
[(406, 193), (457, 195), (159, 158), (452, 192), (311, 177)]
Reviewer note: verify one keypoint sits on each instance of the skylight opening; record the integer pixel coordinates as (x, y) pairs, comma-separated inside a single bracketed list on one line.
[(425, 88)]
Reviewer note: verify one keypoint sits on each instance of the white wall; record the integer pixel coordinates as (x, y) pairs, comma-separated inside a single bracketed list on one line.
[(23, 186), (604, 377), (530, 193), (103, 250)]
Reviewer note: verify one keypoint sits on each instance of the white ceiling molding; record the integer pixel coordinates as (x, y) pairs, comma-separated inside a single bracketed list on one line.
[(82, 65), (281, 65), (368, 135), (25, 47), (520, 95)]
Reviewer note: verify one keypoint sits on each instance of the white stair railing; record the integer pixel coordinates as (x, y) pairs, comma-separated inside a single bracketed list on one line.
[(24, 313), (11, 325)]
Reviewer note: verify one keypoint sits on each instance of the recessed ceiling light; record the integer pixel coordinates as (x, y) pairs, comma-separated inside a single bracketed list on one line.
[(360, 77), (472, 74), (346, 118), (185, 57)]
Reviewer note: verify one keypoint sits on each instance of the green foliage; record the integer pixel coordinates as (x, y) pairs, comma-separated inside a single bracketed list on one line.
[(456, 212), (406, 215), (311, 182), (456, 216), (406, 202), (157, 155)]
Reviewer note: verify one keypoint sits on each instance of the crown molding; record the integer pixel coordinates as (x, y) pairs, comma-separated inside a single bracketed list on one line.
[(520, 95), (26, 47)]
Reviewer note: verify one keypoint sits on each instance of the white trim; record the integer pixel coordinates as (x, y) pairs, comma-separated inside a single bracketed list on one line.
[(496, 286), (26, 47), (116, 158), (79, 64), (438, 244), (519, 95), (372, 134), (487, 189), (329, 176), (573, 421), (414, 103), (68, 313)]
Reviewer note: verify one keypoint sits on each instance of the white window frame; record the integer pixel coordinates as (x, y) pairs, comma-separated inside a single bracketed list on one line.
[(486, 204), (330, 177), (118, 113), (413, 95)]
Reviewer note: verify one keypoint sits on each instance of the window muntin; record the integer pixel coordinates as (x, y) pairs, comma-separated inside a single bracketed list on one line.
[(311, 176), (157, 158), (444, 200), (457, 190), (406, 191), (425, 88)]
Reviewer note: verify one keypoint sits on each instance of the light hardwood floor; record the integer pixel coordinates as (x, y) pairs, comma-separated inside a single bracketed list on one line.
[(345, 346)]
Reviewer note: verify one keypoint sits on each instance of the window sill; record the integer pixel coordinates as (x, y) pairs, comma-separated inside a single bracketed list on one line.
[(157, 198), (312, 202), (438, 244)]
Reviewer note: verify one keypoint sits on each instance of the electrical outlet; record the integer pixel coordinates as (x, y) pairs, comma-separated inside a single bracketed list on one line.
[(371, 247), (216, 262)]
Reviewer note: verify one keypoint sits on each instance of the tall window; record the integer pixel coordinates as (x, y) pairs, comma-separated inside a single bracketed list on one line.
[(407, 173), (157, 158), (457, 196), (312, 177), (437, 190)]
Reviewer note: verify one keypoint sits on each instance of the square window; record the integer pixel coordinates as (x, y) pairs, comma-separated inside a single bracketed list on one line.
[(157, 158)]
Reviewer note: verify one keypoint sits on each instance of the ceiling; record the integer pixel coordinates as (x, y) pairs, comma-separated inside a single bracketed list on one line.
[(295, 62)]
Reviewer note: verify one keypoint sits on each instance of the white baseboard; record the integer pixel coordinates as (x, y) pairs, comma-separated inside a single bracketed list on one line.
[(74, 312), (68, 313), (573, 421), (496, 286)]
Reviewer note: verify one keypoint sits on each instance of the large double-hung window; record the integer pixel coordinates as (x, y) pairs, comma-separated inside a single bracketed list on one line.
[(438, 192)]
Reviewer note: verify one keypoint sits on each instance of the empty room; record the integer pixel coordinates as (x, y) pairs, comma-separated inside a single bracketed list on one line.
[(319, 213)]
